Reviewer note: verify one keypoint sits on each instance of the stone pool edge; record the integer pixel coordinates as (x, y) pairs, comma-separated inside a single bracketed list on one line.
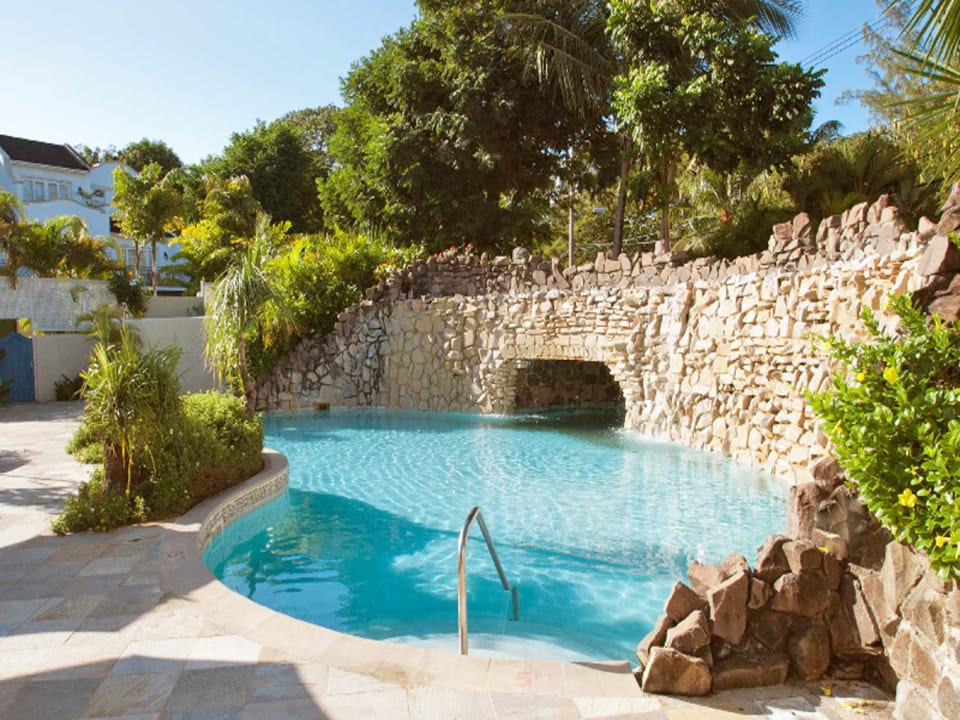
[(184, 575)]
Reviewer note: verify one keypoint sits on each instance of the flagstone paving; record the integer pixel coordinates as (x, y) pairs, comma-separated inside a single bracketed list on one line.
[(91, 628)]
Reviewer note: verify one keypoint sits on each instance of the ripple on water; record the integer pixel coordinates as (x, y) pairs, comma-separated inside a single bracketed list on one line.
[(594, 525)]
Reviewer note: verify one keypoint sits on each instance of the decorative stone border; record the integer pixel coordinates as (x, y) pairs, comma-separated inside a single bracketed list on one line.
[(263, 487)]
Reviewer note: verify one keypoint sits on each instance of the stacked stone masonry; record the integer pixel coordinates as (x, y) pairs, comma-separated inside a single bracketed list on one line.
[(714, 354)]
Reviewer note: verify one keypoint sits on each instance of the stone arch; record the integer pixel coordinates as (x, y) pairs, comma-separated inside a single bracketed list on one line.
[(518, 358)]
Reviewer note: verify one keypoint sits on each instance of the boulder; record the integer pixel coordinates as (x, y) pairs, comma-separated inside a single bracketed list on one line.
[(770, 628), (832, 543), (682, 602), (805, 594), (674, 673), (747, 672), (802, 555), (941, 257), (655, 637), (728, 607), (853, 631), (803, 504), (759, 594), (771, 562), (827, 474), (832, 571), (733, 564), (809, 650), (703, 577), (691, 634)]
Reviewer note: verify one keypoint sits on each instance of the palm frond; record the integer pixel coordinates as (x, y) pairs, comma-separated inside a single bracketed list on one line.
[(936, 24)]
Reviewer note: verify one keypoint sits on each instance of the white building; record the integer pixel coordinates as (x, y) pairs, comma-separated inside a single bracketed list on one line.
[(53, 180)]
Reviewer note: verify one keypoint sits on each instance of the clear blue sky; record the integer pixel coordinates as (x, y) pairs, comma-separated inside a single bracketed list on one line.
[(191, 73)]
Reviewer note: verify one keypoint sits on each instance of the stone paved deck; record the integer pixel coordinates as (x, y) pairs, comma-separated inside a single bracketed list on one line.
[(91, 628)]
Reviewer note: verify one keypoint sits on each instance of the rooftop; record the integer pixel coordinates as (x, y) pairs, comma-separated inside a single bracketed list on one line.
[(42, 153)]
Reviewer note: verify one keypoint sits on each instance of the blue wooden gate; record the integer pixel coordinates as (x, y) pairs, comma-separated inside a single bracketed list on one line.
[(16, 364)]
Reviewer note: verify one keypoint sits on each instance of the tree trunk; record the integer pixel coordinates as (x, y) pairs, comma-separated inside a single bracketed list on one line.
[(617, 245), (570, 230), (154, 275), (668, 170), (249, 393), (114, 469)]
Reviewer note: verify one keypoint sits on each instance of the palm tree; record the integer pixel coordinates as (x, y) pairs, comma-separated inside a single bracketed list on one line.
[(132, 399), (568, 48), (239, 310), (146, 206), (11, 231)]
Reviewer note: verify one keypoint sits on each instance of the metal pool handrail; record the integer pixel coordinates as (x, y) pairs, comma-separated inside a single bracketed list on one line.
[(475, 514)]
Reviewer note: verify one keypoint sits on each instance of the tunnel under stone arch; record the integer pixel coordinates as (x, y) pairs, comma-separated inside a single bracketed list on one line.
[(565, 383)]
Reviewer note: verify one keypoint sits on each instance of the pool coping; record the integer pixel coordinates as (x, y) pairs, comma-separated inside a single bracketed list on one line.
[(183, 574)]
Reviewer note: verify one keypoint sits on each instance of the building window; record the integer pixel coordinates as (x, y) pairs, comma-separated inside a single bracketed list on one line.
[(28, 191), (52, 192)]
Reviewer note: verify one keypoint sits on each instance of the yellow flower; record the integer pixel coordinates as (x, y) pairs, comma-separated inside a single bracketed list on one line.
[(907, 498), (827, 690), (891, 375), (861, 376), (940, 540)]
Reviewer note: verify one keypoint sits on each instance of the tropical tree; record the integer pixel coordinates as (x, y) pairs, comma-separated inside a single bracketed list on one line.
[(859, 168), (132, 401), (446, 140), (282, 170), (239, 311), (143, 152), (584, 50), (11, 231), (146, 207), (227, 220)]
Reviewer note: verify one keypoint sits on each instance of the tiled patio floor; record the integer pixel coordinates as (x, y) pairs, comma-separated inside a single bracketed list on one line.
[(89, 627)]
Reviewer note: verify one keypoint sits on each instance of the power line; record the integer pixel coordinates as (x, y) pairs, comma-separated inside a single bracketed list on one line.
[(834, 51), (852, 37)]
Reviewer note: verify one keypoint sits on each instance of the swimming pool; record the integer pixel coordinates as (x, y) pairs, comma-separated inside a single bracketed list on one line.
[(593, 524)]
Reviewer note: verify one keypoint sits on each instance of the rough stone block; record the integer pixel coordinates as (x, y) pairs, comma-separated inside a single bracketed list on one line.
[(802, 555), (703, 577), (805, 594), (673, 673), (728, 607), (759, 594), (809, 650), (771, 562), (748, 672), (941, 257), (691, 634), (682, 601), (770, 628), (732, 565), (655, 637)]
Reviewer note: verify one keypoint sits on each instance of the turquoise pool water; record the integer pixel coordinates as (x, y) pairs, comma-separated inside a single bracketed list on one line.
[(593, 524)]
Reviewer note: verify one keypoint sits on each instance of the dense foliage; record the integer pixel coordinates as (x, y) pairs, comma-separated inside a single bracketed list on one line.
[(893, 416), (211, 447), (446, 139), (282, 169)]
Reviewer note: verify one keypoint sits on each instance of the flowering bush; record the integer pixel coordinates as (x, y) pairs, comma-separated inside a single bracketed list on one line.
[(893, 415)]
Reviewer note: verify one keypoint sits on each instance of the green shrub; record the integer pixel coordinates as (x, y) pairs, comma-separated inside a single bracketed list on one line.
[(210, 447), (93, 509), (85, 445), (129, 293), (893, 415), (67, 388)]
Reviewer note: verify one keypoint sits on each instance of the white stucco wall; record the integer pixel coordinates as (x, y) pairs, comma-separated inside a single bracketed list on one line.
[(67, 353)]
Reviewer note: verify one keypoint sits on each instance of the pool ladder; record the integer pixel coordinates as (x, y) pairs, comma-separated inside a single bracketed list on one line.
[(475, 514)]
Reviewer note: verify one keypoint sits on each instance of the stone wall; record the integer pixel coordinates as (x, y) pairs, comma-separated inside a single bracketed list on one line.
[(713, 354)]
